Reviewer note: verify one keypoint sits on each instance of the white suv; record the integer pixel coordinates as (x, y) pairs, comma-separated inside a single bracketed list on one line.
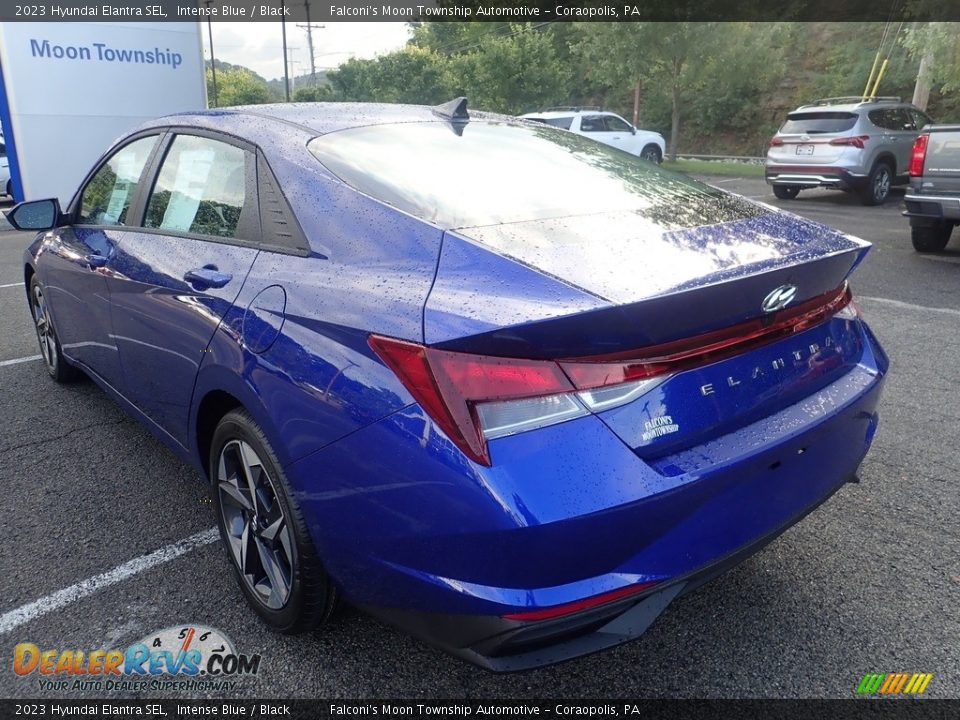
[(5, 184), (606, 127)]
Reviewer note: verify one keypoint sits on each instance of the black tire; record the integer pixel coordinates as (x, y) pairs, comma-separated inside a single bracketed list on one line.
[(57, 365), (879, 181), (651, 153), (304, 597), (931, 238), (786, 192)]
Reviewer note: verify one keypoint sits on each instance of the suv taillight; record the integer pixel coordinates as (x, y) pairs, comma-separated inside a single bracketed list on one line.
[(476, 398), (919, 155), (856, 141)]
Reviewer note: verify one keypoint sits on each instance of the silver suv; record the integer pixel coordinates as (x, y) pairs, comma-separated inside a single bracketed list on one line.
[(848, 143)]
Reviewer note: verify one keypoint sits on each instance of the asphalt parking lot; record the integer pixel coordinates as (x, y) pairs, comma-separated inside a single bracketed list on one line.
[(868, 583)]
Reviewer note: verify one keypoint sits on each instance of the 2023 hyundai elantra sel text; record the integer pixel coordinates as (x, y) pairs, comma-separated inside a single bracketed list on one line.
[(505, 387)]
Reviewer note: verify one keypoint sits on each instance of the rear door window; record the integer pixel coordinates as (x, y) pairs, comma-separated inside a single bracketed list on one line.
[(818, 122), (201, 189), (920, 120), (593, 123)]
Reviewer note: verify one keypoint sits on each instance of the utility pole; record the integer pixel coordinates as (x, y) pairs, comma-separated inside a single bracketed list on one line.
[(921, 91), (213, 62), (290, 63), (293, 70), (286, 70), (310, 27)]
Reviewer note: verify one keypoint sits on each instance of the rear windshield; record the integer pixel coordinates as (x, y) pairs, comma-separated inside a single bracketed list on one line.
[(812, 123), (494, 173)]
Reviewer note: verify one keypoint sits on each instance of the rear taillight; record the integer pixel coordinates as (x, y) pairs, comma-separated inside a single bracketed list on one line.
[(476, 398), (555, 611), (856, 141), (466, 394), (776, 142), (919, 155)]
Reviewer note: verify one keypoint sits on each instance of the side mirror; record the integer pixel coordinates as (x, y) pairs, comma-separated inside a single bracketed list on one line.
[(36, 215), (633, 130)]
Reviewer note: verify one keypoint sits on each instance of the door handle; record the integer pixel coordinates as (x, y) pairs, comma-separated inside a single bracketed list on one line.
[(207, 277), (95, 261)]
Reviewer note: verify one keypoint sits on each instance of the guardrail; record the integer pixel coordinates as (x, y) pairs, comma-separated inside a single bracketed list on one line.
[(748, 159)]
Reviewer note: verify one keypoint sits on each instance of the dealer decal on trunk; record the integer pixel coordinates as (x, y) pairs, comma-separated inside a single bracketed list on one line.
[(658, 427)]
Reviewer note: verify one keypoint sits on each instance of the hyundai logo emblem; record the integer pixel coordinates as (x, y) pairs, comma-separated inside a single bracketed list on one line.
[(779, 298)]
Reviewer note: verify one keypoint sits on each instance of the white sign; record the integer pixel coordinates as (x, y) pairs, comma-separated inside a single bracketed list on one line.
[(70, 89)]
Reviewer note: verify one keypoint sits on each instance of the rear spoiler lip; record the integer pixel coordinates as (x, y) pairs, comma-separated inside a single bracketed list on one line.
[(503, 340)]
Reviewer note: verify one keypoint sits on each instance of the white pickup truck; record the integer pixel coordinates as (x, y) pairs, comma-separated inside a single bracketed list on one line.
[(933, 200)]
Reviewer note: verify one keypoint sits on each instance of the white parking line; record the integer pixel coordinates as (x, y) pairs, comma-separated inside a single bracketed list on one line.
[(17, 361), (909, 306), (31, 611), (19, 284)]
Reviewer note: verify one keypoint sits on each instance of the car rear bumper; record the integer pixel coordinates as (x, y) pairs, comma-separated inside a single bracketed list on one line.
[(460, 555), (933, 207), (814, 176), (506, 645)]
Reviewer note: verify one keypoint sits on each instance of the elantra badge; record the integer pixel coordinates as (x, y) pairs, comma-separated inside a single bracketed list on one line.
[(779, 298)]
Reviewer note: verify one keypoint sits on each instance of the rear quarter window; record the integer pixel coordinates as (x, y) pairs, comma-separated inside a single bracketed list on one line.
[(818, 123), (563, 123)]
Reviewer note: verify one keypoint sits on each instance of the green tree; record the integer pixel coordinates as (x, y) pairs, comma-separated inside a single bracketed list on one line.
[(236, 86), (411, 75), (715, 68), (513, 73), (313, 93), (940, 42)]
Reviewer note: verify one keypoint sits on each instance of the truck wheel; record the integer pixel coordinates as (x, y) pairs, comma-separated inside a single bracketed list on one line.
[(931, 238), (786, 192), (877, 189)]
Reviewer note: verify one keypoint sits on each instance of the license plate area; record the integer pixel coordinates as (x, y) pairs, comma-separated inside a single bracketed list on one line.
[(805, 149)]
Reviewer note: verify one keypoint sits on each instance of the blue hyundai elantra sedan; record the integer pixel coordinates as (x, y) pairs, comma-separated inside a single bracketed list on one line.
[(507, 388)]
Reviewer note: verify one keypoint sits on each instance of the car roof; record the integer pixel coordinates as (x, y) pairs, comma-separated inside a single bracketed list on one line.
[(853, 106), (253, 121)]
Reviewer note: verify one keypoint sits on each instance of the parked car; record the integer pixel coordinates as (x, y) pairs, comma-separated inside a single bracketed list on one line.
[(492, 382), (852, 144), (606, 127), (5, 182), (933, 199)]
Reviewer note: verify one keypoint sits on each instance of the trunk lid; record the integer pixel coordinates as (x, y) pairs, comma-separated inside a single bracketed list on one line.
[(614, 284)]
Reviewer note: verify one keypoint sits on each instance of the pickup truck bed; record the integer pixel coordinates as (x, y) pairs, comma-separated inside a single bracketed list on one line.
[(933, 199)]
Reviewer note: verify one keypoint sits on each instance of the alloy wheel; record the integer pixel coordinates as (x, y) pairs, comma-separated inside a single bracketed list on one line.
[(45, 336), (650, 155), (881, 185), (257, 531)]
